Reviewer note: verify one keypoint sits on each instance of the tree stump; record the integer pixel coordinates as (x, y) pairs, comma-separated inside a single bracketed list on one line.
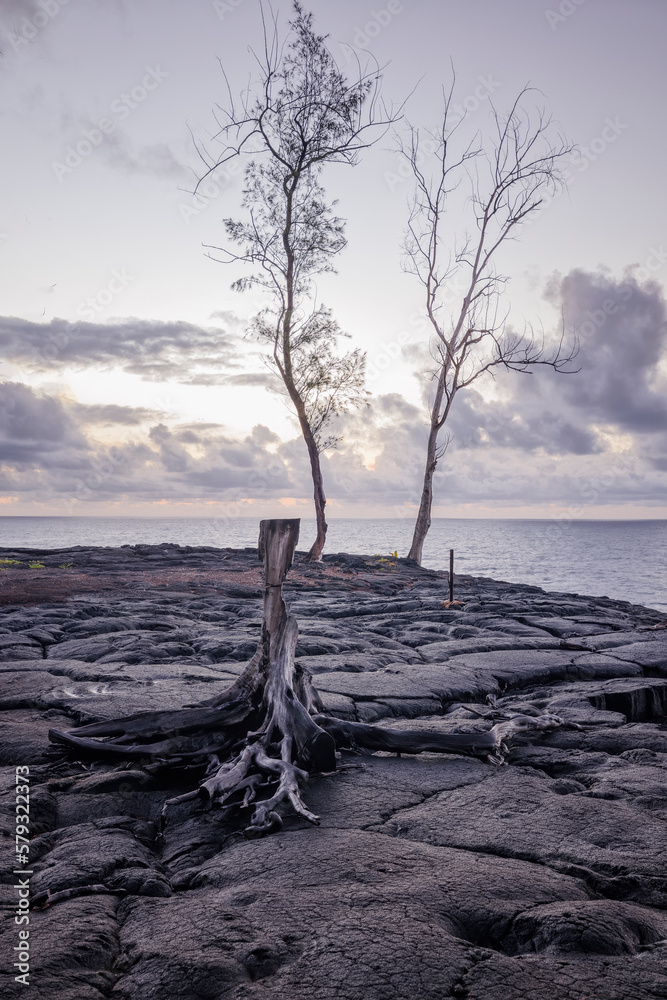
[(258, 742)]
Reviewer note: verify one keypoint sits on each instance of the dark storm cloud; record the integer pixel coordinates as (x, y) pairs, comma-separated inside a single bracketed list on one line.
[(33, 424), (620, 387), (527, 422), (153, 350), (168, 466), (249, 463), (622, 328)]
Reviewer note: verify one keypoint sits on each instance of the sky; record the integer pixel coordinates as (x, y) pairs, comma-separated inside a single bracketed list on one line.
[(128, 382)]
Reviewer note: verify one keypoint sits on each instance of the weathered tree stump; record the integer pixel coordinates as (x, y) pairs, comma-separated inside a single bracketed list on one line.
[(289, 744), (257, 743)]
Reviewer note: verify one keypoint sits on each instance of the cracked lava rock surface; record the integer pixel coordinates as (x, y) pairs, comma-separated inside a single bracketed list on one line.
[(429, 877)]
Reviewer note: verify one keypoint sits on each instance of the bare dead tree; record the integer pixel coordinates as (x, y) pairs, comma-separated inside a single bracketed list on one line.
[(300, 115), (507, 186), (255, 745)]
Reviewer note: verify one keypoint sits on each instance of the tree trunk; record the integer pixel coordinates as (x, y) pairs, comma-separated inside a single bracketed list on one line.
[(423, 522), (320, 500), (319, 497)]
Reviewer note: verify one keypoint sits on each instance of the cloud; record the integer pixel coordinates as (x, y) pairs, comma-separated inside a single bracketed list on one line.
[(596, 437), (620, 389), (249, 379), (244, 380), (509, 452), (47, 453), (42, 450), (122, 153), (623, 333), (112, 414), (33, 425), (527, 421), (155, 351), (658, 462)]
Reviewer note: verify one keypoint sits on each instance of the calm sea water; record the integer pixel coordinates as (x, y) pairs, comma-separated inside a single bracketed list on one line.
[(626, 560)]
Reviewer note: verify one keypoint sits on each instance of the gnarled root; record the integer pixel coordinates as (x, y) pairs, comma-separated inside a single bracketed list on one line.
[(252, 770), (265, 817), (287, 747)]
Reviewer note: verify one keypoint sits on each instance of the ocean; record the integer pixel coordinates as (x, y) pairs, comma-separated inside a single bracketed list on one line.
[(625, 560)]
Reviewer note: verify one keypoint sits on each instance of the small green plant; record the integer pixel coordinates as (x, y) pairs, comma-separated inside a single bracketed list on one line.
[(65, 565), (10, 562), (36, 565)]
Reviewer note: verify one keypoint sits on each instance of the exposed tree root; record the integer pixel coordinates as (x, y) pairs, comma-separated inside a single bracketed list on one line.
[(489, 745), (256, 745)]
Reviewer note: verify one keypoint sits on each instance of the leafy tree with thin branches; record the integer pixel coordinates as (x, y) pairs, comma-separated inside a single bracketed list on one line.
[(300, 115)]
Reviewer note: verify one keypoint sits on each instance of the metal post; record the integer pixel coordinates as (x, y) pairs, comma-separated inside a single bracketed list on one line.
[(451, 575)]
